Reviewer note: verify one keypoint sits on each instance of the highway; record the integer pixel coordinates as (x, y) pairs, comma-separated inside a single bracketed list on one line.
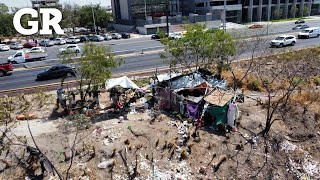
[(117, 45), (136, 62)]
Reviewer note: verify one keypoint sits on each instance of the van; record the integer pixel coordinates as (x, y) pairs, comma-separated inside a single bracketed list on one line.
[(309, 33)]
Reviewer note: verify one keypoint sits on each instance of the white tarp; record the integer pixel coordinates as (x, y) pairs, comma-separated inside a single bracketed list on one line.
[(124, 82)]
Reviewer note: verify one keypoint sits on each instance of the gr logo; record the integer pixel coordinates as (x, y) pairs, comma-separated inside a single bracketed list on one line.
[(46, 21)]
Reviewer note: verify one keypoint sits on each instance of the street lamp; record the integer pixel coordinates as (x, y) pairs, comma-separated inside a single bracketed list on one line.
[(224, 15)]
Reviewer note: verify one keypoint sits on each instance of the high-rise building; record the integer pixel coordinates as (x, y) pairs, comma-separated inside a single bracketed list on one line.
[(44, 4), (262, 10)]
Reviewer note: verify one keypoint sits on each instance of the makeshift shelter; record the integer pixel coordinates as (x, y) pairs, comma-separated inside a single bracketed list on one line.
[(216, 112), (186, 92), (124, 82)]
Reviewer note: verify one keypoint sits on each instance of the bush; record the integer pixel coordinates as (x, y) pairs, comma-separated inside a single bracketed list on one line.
[(254, 85), (316, 80)]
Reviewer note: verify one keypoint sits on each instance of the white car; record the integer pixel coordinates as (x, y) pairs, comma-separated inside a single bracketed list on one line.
[(59, 41), (309, 33), (116, 36), (107, 37), (70, 48), (73, 40), (4, 47), (36, 50), (286, 40), (175, 35), (16, 46)]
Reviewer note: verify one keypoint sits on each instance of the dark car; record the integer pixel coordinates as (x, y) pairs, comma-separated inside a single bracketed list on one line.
[(55, 72), (300, 26), (30, 45), (300, 21), (156, 36), (125, 35), (84, 39)]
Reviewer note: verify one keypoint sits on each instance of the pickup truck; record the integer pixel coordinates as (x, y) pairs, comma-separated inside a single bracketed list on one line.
[(24, 56), (5, 68)]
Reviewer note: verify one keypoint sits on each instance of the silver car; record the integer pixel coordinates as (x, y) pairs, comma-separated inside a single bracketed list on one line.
[(59, 41), (16, 46), (107, 37), (116, 36), (46, 43)]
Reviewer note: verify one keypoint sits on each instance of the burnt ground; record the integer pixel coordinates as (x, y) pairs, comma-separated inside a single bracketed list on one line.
[(146, 149)]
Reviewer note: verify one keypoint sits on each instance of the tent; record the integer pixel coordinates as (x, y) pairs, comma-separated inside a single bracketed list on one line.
[(124, 82)]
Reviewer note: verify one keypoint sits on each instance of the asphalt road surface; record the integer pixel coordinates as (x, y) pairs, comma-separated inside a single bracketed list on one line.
[(145, 42), (26, 78), (117, 45)]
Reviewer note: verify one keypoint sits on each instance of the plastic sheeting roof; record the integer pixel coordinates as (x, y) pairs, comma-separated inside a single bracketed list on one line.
[(164, 77), (124, 82), (195, 79)]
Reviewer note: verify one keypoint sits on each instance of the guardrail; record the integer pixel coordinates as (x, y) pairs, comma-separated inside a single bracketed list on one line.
[(143, 50)]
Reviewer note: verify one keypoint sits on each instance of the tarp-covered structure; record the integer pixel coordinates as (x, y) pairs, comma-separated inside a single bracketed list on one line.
[(216, 112), (188, 94), (123, 82)]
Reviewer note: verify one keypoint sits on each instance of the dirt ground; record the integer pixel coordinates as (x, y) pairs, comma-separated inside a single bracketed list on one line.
[(146, 149)]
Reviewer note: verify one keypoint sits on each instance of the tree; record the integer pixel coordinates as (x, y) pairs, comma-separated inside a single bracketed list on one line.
[(101, 15), (306, 11), (198, 48), (6, 25), (3, 9), (71, 16), (95, 66), (277, 13), (293, 11)]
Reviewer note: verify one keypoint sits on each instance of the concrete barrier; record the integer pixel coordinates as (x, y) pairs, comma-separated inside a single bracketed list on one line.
[(143, 50), (124, 52)]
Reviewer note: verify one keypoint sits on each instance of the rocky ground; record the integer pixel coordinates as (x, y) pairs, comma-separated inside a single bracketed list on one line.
[(166, 148)]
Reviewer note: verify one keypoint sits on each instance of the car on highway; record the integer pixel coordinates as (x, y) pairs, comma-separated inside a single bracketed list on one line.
[(309, 33), (70, 49), (125, 35), (46, 43), (35, 50), (116, 36), (30, 44), (285, 40), (5, 68), (175, 35), (55, 72), (59, 41), (156, 36), (16, 46), (4, 47), (97, 38), (73, 40), (300, 21), (107, 37), (22, 56), (84, 39), (256, 26), (300, 26)]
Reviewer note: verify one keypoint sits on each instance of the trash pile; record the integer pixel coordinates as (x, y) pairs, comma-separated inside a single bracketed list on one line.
[(301, 163)]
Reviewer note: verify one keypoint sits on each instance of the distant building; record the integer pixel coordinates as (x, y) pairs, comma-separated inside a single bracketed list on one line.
[(262, 10), (45, 4), (149, 16)]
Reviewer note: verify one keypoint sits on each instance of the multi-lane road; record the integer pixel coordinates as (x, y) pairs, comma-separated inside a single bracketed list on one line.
[(136, 44), (135, 62)]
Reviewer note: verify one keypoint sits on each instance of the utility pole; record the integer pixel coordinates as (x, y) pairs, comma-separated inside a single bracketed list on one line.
[(145, 9), (167, 16), (224, 15)]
